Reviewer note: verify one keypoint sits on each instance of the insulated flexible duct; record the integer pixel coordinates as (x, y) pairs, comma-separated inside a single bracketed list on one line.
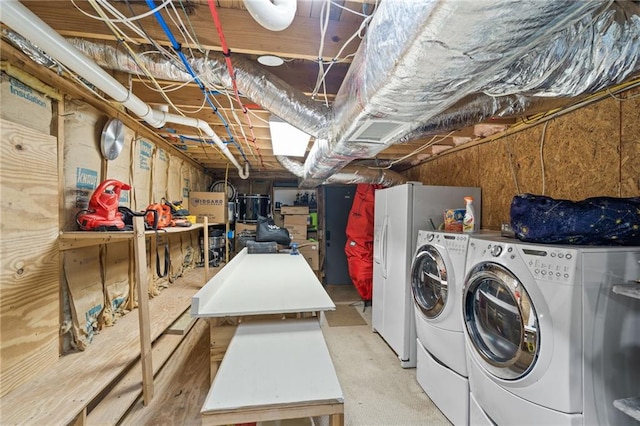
[(405, 76)]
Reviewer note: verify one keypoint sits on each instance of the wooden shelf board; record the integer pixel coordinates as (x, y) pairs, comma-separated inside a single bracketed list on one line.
[(78, 239), (58, 395)]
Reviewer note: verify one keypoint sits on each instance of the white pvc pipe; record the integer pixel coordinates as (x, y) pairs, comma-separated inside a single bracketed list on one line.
[(31, 27), (204, 126), (274, 15)]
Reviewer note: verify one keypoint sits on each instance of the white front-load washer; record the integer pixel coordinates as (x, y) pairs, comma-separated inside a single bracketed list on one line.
[(437, 278), (549, 342)]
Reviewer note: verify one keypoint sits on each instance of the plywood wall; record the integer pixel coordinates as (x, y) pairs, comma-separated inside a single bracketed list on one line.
[(29, 271), (594, 151)]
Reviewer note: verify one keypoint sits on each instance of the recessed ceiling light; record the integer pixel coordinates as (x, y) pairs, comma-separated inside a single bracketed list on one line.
[(270, 60)]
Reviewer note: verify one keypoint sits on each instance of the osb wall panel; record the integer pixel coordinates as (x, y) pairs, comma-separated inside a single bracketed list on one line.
[(449, 169), (581, 153), (584, 154), (497, 185), (29, 265), (630, 145)]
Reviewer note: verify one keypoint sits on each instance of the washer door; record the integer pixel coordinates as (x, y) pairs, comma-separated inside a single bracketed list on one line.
[(429, 283), (501, 321)]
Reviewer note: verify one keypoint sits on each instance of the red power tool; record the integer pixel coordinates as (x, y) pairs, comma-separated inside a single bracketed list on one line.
[(103, 214)]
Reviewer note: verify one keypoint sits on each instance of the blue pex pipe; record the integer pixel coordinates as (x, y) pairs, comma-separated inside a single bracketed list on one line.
[(178, 48)]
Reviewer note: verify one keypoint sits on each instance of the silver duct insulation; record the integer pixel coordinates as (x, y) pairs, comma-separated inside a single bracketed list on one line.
[(428, 67), (271, 92), (404, 77), (36, 55), (350, 175)]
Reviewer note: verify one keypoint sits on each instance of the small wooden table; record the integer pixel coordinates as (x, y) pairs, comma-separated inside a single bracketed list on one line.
[(275, 370)]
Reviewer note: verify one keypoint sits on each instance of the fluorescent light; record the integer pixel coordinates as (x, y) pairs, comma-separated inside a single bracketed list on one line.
[(270, 60), (287, 140)]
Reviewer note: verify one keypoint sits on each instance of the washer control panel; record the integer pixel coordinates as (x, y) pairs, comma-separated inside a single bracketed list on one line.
[(550, 264)]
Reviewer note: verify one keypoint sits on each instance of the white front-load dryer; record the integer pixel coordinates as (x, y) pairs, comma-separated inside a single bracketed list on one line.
[(437, 278), (549, 342)]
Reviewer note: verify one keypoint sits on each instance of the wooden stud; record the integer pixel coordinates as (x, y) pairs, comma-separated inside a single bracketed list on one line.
[(143, 309)]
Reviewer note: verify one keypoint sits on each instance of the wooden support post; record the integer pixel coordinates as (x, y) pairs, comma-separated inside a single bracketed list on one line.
[(143, 309), (81, 419), (205, 248)]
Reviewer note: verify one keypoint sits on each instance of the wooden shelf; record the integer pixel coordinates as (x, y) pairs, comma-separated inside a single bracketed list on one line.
[(59, 394), (631, 290), (78, 239)]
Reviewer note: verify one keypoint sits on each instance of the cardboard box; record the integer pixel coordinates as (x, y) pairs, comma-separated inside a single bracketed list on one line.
[(278, 219), (294, 210), (210, 204), (295, 219), (298, 232), (310, 252), (240, 227)]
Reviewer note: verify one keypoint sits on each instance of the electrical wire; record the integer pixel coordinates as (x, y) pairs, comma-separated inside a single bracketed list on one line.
[(116, 31), (514, 175), (207, 93), (125, 20), (431, 142), (544, 131), (227, 55), (322, 72)]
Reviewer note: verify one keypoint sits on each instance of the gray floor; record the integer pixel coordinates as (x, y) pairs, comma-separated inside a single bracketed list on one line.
[(377, 390)]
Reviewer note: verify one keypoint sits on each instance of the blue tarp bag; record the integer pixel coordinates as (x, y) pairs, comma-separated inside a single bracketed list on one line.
[(593, 221)]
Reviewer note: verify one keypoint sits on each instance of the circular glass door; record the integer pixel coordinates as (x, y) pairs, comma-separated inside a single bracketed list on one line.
[(501, 321), (429, 283)]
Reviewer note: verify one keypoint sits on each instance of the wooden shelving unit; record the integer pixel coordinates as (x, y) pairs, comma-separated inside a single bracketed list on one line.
[(63, 393)]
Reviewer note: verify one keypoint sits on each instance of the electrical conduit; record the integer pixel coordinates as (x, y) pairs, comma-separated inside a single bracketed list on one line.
[(26, 23)]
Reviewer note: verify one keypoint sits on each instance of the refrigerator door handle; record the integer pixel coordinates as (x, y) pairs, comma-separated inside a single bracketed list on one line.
[(377, 233), (383, 246)]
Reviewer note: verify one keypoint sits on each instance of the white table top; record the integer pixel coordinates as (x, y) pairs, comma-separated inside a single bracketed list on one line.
[(253, 284), (274, 363)]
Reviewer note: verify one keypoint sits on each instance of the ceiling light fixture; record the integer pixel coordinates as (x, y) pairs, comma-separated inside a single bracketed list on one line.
[(287, 140), (270, 60)]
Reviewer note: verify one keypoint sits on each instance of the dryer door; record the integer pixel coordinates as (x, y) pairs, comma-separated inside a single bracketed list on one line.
[(429, 283), (500, 321)]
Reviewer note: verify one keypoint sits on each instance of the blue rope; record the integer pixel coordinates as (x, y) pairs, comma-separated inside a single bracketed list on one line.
[(207, 93)]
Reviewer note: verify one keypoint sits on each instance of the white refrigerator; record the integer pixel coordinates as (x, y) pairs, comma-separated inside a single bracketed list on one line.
[(400, 212)]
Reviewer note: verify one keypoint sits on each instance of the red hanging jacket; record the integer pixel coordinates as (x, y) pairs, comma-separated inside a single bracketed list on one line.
[(359, 247)]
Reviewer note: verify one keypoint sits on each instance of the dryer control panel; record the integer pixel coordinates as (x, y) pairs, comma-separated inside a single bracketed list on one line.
[(455, 244), (550, 264)]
